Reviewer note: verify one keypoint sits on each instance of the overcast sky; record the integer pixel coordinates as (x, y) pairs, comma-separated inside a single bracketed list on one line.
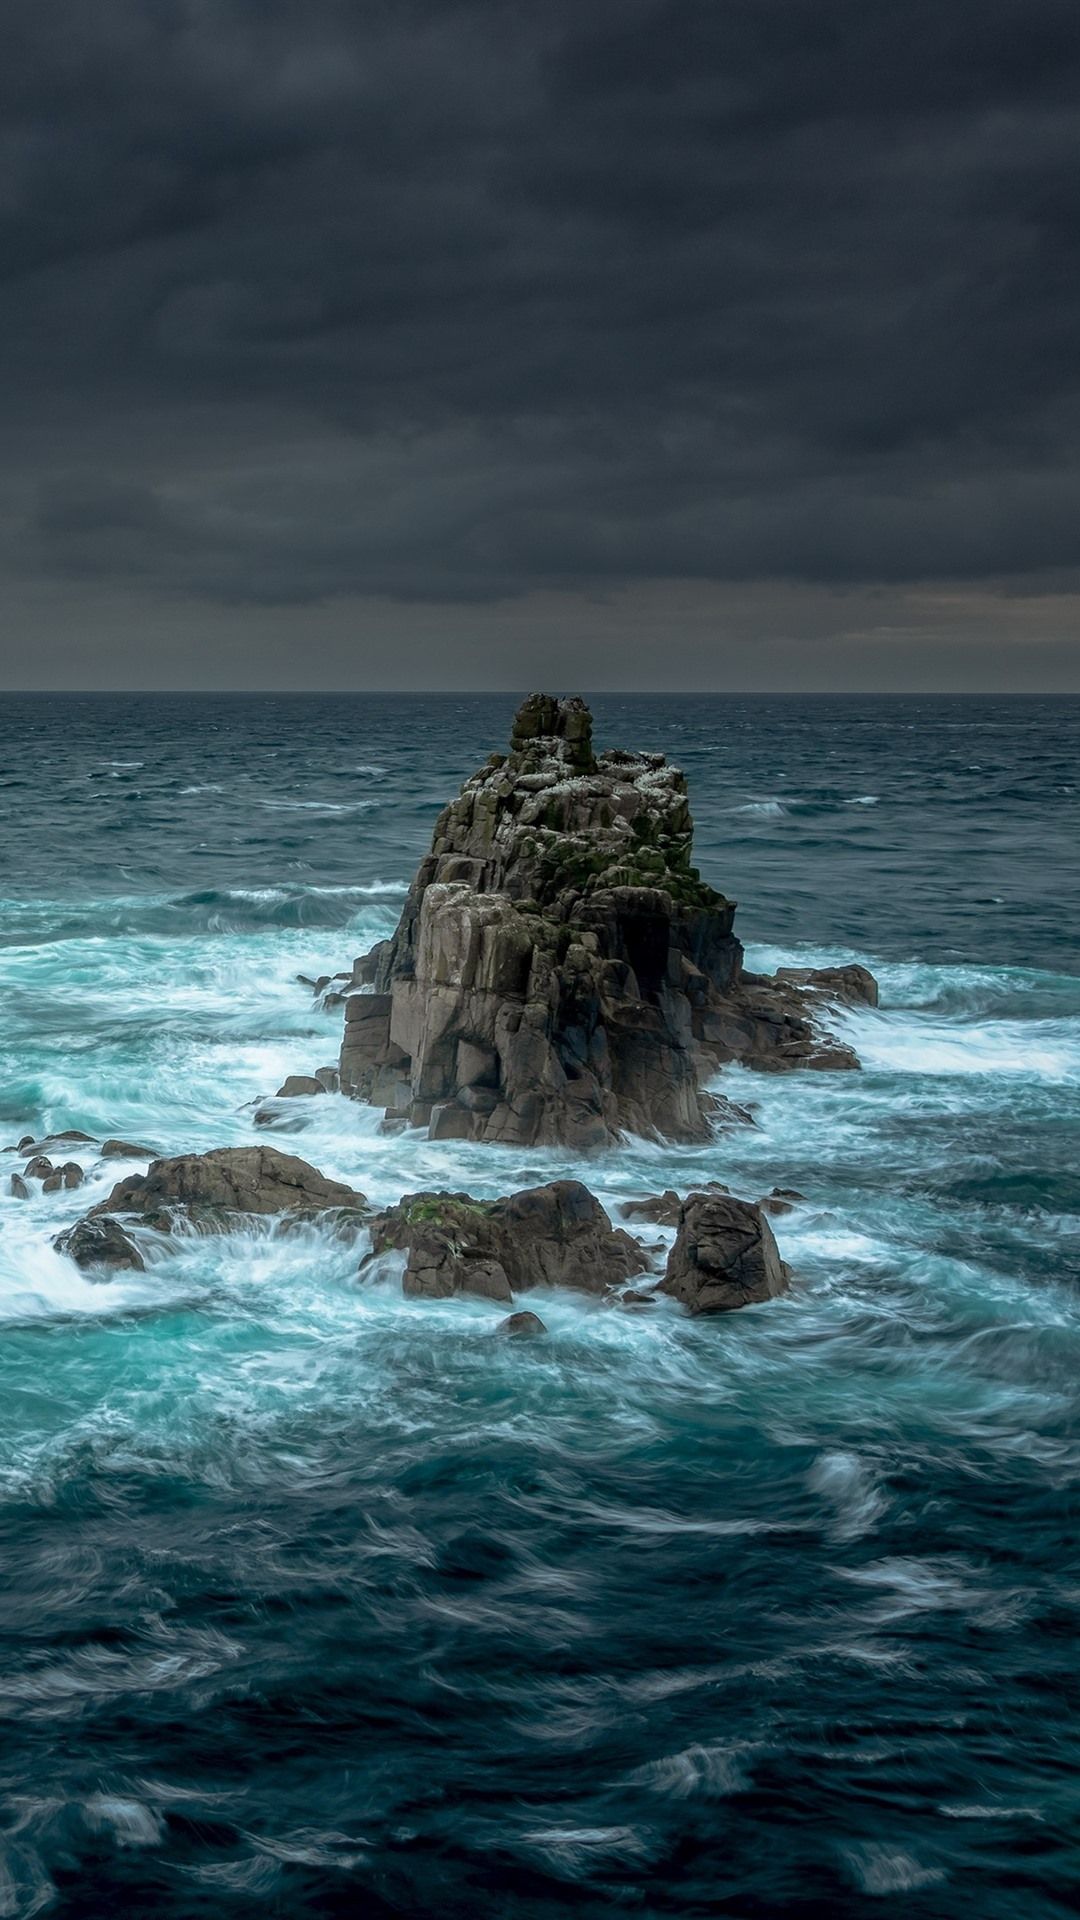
[(605, 343)]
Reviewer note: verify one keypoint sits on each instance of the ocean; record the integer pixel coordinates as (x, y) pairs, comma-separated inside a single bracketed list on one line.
[(320, 1602)]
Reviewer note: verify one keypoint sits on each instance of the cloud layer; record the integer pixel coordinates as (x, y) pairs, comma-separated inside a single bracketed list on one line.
[(455, 301)]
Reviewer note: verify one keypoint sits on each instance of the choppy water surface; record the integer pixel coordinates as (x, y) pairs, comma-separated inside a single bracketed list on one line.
[(320, 1602)]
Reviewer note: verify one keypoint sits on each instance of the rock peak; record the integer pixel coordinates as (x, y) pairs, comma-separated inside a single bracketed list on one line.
[(546, 728)]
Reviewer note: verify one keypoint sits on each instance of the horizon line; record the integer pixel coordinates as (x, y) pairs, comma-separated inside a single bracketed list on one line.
[(498, 693)]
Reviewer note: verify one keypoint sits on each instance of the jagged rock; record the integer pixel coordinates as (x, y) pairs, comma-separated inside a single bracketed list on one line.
[(299, 1086), (100, 1243), (229, 1180), (126, 1150), (367, 965), (560, 972), (521, 1326), (551, 1236), (19, 1188), (724, 1256)]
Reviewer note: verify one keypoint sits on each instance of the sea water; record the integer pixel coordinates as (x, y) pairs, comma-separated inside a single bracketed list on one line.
[(318, 1601)]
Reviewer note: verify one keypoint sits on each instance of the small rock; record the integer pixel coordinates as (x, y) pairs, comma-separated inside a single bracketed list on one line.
[(19, 1188), (68, 1176), (39, 1168), (72, 1174), (100, 1243), (660, 1209), (521, 1326), (782, 1200), (724, 1256), (299, 1086), (126, 1150)]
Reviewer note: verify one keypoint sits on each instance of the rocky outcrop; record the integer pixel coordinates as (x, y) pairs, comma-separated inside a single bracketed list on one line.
[(561, 973), (724, 1256), (551, 1236), (229, 1180), (208, 1190)]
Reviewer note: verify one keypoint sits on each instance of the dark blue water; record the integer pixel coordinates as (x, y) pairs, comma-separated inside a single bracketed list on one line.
[(317, 1601)]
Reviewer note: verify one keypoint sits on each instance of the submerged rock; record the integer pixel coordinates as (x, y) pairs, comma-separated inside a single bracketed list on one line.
[(561, 973), (782, 1200), (100, 1243), (126, 1150), (521, 1326), (551, 1236), (257, 1180), (19, 1188), (724, 1256), (73, 1136)]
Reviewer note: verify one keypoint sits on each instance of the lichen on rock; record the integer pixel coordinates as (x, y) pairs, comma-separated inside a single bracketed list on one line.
[(551, 1236)]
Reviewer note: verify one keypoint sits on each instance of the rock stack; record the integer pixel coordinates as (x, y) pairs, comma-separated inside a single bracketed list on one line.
[(561, 973)]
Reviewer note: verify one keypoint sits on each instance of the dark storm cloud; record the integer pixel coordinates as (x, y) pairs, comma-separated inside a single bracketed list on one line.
[(457, 301)]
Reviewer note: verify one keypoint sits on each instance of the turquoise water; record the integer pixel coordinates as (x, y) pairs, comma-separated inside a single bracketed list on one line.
[(322, 1602)]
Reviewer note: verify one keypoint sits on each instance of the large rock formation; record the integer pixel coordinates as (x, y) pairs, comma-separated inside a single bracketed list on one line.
[(724, 1255), (561, 973), (552, 1236)]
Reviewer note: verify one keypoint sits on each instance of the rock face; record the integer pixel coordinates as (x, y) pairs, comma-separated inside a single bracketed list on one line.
[(724, 1256), (229, 1180), (561, 973), (551, 1236)]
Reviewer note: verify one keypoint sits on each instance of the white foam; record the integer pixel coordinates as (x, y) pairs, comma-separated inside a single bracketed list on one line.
[(880, 1869), (1047, 1050), (769, 809)]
